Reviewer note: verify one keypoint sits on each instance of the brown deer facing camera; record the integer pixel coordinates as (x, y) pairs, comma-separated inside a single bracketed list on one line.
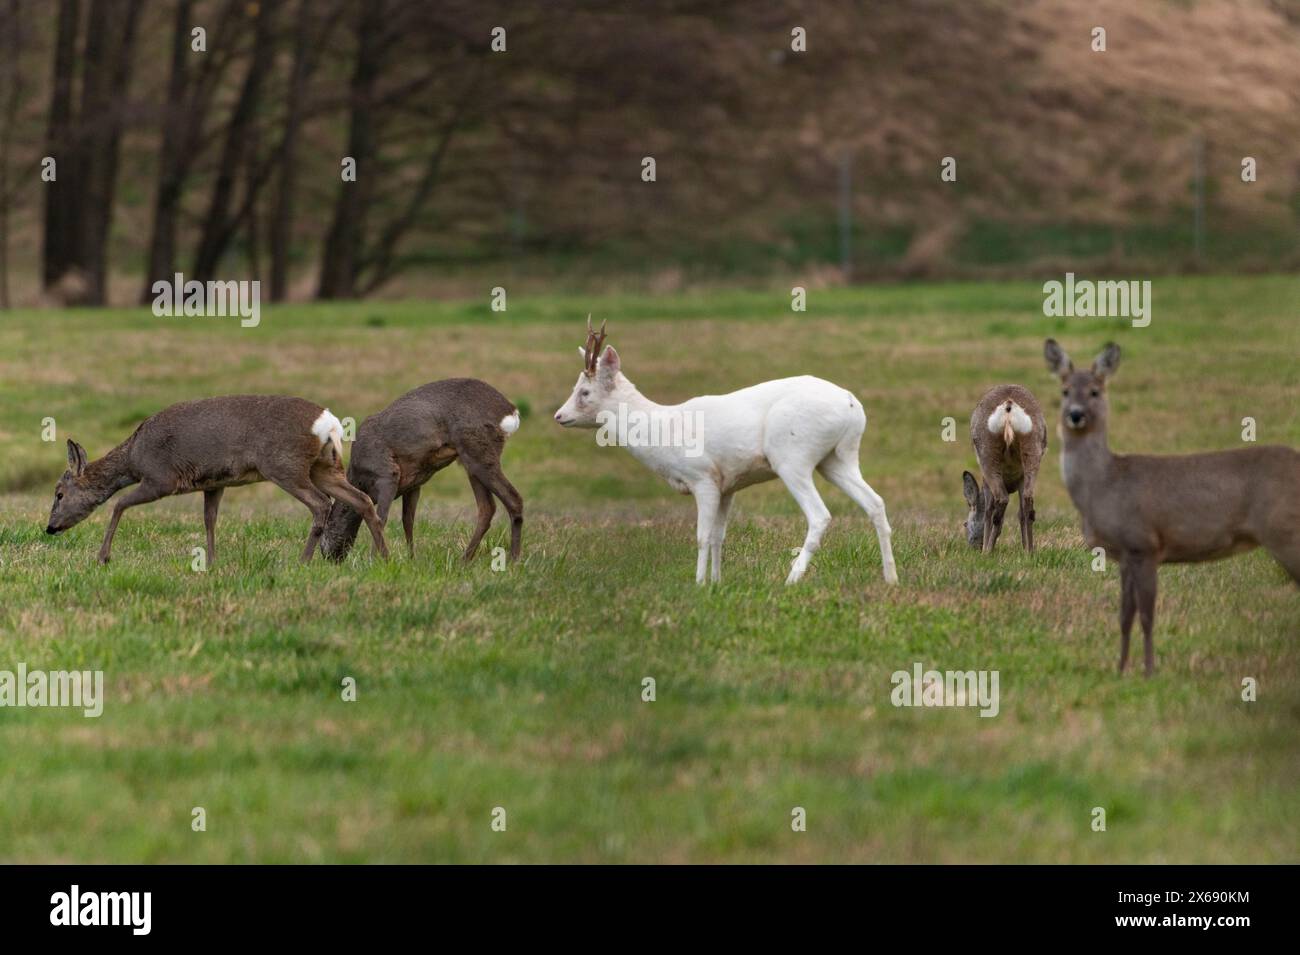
[(1146, 510), (419, 434), (210, 445), (1009, 433)]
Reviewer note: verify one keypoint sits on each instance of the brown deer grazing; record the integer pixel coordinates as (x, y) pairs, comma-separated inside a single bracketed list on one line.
[(1146, 511), (210, 445), (1009, 433), (419, 434)]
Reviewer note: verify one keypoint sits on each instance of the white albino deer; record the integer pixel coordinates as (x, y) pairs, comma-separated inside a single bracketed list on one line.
[(780, 429)]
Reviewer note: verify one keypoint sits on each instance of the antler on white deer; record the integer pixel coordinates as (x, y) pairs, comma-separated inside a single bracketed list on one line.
[(595, 342)]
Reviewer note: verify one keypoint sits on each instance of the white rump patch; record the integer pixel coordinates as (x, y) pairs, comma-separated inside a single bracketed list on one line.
[(510, 423), (1003, 421), (329, 429)]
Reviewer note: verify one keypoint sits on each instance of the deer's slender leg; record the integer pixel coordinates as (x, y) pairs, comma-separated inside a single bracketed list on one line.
[(707, 499), (211, 502), (332, 482), (1127, 608), (316, 501), (719, 535), (1027, 504), (995, 508), (1145, 585), (844, 473), (804, 491), (499, 484), (410, 502), (382, 494), (142, 494), (487, 508), (1027, 507)]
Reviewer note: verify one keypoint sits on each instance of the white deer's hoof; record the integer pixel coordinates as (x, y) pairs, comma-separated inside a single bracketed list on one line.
[(891, 575)]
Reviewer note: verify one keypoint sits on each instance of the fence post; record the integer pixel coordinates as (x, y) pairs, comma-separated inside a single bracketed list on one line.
[(1198, 198), (846, 217)]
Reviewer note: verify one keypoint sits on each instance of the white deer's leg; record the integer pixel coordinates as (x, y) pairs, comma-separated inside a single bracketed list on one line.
[(719, 535), (846, 476), (800, 484), (706, 503)]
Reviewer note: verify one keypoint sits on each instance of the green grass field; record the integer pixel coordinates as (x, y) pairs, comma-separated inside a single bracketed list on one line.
[(522, 688)]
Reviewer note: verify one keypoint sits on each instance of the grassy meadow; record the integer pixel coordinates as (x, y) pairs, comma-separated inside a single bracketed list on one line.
[(522, 688)]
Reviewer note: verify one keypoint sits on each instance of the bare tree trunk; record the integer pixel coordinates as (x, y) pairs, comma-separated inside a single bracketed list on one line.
[(11, 28), (282, 213), (189, 100), (105, 82), (219, 225), (162, 242), (340, 261), (382, 263), (61, 195)]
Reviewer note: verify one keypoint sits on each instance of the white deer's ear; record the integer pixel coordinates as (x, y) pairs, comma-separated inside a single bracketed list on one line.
[(76, 458), (609, 365)]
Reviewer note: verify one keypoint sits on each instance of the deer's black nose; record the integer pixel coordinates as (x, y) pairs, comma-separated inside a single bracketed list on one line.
[(49, 529), (1076, 416)]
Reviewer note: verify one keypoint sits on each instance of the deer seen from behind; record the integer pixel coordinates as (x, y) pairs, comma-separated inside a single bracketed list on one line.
[(1009, 434), (397, 450), (784, 429), (1147, 510), (210, 445)]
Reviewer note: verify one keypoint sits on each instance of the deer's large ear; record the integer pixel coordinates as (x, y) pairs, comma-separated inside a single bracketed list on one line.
[(608, 367), (970, 489), (1105, 364), (1058, 362), (76, 458)]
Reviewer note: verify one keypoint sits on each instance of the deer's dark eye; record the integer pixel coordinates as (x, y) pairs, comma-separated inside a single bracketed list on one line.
[(1096, 393), (1065, 392), (584, 392), (58, 495)]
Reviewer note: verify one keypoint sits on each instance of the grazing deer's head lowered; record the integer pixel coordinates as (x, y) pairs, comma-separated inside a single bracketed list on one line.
[(974, 523), (1009, 434), (77, 494), (209, 445), (1147, 510), (399, 449)]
